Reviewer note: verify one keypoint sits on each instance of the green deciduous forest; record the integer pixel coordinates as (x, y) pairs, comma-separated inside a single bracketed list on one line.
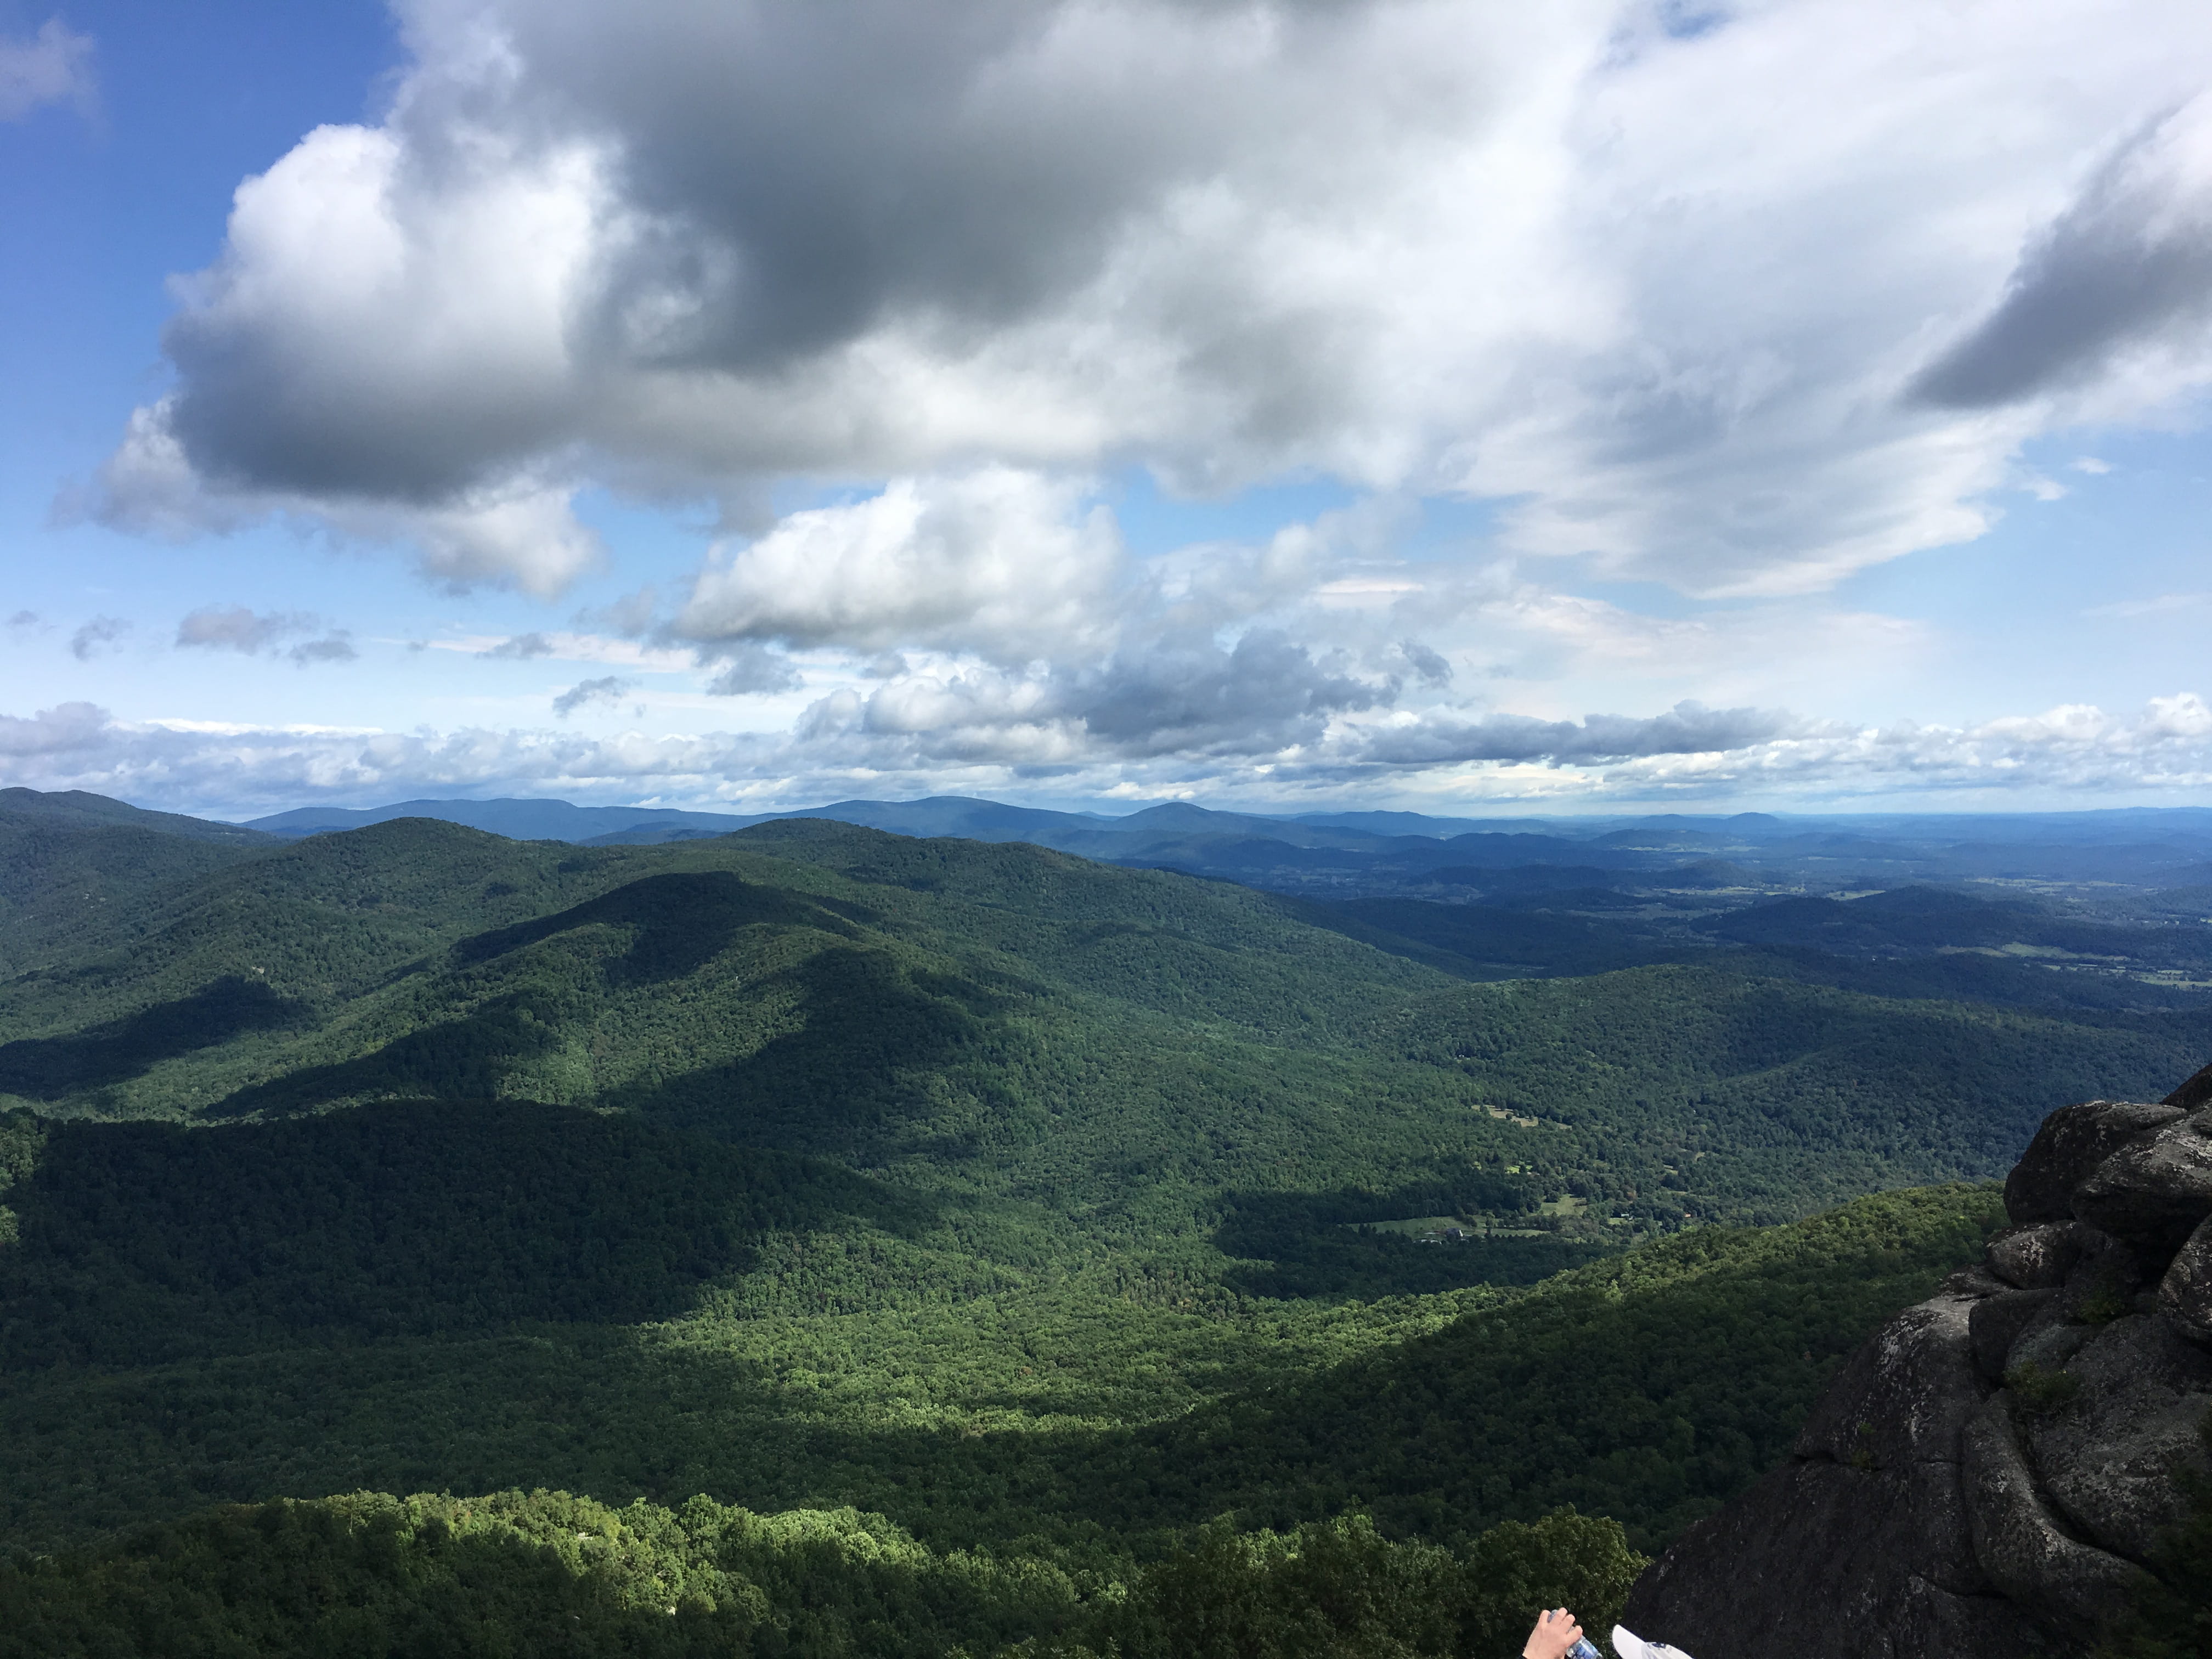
[(910, 1246), (544, 1572)]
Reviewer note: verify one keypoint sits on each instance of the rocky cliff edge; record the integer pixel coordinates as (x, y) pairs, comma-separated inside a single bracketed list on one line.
[(1987, 1476)]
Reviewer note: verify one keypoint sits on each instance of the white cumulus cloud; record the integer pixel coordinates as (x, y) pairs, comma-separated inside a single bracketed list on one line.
[(1732, 308), (999, 562)]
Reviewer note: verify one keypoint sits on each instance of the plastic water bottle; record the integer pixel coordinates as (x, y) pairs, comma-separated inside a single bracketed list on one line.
[(1582, 1650)]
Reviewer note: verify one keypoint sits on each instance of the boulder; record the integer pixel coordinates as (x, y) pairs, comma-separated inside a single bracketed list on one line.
[(1977, 1280), (2019, 1545), (1890, 1549), (2184, 1295), (2154, 1189), (2037, 1257), (1997, 1322), (2104, 1281), (2049, 1343), (1902, 1397), (2197, 1091), (2073, 1141), (2107, 1458)]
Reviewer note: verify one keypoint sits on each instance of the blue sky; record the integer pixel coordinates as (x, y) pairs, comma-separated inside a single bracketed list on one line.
[(1404, 403)]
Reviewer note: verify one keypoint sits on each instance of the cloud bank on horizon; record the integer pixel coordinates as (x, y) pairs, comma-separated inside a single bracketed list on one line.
[(1740, 305), (1689, 750)]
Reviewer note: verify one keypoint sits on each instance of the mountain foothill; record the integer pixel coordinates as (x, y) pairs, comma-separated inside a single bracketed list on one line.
[(941, 1226)]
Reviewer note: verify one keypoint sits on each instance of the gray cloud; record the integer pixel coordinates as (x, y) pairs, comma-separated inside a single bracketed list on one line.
[(608, 689), (65, 729), (1688, 728), (100, 634), (1265, 694), (236, 628), (932, 168), (1187, 701), (24, 619), (53, 66), (1428, 666), (632, 614), (522, 647), (336, 647), (2129, 264), (749, 670)]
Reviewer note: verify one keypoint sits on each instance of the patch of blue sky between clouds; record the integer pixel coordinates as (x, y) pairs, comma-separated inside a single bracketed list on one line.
[(2089, 590)]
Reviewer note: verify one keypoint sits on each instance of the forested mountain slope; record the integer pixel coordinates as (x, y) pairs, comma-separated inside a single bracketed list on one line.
[(1110, 1044), (78, 809), (367, 1576), (1036, 1204), (434, 1294), (72, 873)]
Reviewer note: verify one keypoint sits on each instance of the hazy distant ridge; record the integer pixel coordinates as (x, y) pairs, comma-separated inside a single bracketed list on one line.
[(1338, 854)]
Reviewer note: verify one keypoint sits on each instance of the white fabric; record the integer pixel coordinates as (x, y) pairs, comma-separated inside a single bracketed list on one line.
[(1629, 1645)]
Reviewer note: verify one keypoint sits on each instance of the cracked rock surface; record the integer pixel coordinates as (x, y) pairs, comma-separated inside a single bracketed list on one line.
[(1985, 1478)]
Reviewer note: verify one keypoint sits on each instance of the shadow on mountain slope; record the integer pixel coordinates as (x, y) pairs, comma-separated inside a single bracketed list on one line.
[(141, 1243), (469, 1057), (1483, 943), (681, 920), (1650, 1387), (880, 1043), (50, 1068), (1330, 1244)]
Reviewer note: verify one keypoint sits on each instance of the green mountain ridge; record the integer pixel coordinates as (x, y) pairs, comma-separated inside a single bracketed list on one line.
[(1049, 1210), (1002, 1014)]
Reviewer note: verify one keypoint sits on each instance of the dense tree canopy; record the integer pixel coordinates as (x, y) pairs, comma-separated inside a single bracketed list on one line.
[(1024, 1255)]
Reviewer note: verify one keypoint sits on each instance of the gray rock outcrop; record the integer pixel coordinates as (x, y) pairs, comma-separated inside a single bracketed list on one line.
[(1987, 1476)]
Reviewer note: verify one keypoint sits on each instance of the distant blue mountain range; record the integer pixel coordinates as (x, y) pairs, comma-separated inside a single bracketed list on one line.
[(519, 820), (1588, 864), (1338, 853), (938, 815), (981, 820)]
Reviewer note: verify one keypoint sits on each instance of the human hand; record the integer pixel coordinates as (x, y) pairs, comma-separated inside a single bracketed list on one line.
[(1556, 1631)]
